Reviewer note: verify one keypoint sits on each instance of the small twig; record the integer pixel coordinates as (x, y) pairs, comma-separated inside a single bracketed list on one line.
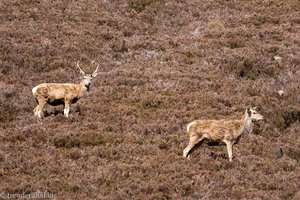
[(208, 192)]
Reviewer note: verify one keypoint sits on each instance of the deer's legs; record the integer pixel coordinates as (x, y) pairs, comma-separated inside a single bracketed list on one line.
[(67, 108), (193, 141), (38, 111), (229, 148)]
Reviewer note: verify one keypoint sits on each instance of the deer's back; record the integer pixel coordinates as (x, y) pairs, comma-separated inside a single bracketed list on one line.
[(56, 90), (216, 129)]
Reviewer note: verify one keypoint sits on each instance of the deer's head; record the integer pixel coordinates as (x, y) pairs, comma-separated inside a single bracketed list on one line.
[(253, 114), (87, 78)]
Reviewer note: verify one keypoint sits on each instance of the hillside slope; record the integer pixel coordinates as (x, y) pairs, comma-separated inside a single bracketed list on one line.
[(163, 64)]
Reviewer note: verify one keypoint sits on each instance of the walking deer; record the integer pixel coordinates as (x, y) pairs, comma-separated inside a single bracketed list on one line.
[(62, 93), (226, 131)]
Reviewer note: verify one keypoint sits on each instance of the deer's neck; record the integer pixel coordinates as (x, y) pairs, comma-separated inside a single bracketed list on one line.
[(84, 90), (248, 124)]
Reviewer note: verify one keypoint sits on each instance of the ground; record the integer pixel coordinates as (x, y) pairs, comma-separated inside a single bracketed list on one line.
[(163, 63)]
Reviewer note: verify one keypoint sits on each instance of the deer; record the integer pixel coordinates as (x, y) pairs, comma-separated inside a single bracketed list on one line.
[(221, 131), (62, 93)]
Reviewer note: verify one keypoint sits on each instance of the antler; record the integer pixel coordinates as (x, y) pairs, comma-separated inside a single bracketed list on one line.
[(81, 72), (95, 73)]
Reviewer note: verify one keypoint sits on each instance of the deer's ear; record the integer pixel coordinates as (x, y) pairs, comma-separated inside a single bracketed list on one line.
[(249, 112), (94, 75)]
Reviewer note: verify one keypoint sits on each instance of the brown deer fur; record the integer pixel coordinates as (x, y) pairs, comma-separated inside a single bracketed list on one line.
[(62, 93), (226, 131)]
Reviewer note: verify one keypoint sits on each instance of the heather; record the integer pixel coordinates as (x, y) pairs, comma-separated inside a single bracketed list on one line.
[(163, 63)]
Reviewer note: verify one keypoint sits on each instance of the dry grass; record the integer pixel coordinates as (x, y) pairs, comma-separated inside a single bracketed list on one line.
[(165, 63)]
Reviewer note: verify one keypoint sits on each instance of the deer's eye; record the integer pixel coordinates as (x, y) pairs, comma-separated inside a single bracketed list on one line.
[(254, 112)]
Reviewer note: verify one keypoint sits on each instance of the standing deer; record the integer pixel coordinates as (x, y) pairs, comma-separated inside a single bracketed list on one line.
[(62, 93), (226, 131)]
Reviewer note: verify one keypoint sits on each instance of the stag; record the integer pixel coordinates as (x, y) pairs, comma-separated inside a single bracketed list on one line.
[(62, 93)]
